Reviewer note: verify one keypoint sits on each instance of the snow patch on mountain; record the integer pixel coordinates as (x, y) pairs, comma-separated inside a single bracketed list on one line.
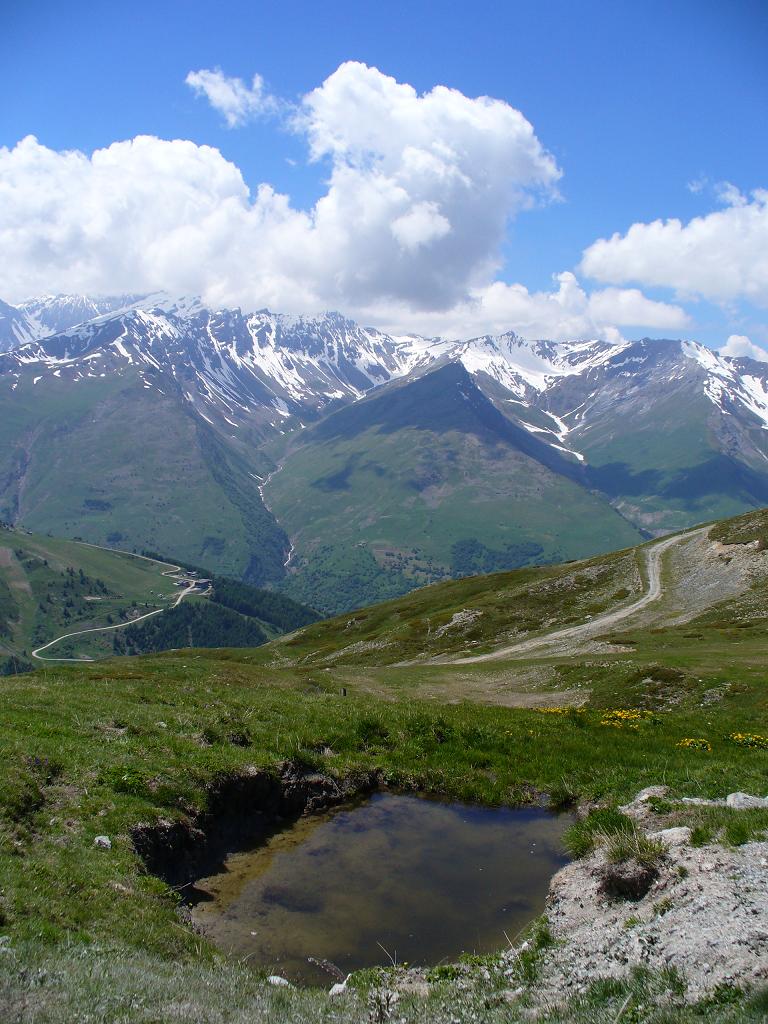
[(728, 383), (273, 372)]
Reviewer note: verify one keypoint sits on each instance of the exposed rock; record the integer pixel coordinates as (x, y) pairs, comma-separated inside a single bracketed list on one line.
[(640, 808), (705, 914), (466, 617), (103, 842), (672, 836), (278, 981), (650, 791), (744, 801), (739, 801)]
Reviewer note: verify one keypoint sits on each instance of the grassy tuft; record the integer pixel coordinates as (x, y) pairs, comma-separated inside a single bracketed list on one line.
[(600, 824)]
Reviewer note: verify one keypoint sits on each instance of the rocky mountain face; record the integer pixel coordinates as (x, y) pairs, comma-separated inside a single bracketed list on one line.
[(40, 317), (107, 399)]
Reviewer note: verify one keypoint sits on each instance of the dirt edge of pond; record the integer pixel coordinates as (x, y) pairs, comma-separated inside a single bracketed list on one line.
[(241, 808)]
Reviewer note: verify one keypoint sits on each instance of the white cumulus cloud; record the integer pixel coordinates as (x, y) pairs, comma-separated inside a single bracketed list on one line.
[(231, 97), (739, 345), (628, 307), (722, 256), (418, 198), (419, 194), (565, 312)]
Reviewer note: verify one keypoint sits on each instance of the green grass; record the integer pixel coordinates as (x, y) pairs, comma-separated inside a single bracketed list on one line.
[(102, 985), (95, 750), (92, 750)]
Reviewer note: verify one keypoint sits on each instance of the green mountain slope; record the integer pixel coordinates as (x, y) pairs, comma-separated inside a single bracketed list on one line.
[(426, 480), (660, 448), (114, 462), (51, 587)]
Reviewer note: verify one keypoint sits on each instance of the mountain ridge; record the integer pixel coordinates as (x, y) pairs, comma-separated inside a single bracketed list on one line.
[(161, 422)]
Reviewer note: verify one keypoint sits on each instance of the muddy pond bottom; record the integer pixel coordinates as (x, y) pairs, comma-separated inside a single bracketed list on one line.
[(395, 878)]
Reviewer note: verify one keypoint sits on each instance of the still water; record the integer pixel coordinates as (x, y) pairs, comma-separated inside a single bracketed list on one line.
[(397, 877)]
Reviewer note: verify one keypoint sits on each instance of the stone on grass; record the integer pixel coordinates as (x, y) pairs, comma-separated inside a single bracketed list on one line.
[(679, 836), (278, 981), (745, 801), (103, 842), (649, 792)]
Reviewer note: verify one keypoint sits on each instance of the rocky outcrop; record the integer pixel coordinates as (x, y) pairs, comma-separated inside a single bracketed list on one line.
[(705, 914)]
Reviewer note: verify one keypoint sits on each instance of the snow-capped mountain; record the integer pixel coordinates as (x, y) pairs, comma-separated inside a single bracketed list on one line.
[(273, 367), (174, 396), (260, 368), (275, 371), (16, 327), (54, 313), (40, 317)]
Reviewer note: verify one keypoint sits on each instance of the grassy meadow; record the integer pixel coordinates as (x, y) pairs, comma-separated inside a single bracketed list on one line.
[(97, 749)]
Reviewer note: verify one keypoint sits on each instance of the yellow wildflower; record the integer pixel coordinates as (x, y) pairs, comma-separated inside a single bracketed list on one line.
[(749, 739), (695, 743)]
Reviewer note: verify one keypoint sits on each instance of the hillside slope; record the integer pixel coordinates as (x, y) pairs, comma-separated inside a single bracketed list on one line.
[(50, 588), (571, 632), (104, 769), (424, 480), (116, 462)]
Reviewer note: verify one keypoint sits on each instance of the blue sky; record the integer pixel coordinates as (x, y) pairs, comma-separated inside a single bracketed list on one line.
[(633, 103)]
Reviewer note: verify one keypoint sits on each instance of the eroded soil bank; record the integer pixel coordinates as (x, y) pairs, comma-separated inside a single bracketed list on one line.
[(242, 809)]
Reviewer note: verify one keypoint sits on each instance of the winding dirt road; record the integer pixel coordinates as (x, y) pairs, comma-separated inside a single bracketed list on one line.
[(172, 570), (595, 626)]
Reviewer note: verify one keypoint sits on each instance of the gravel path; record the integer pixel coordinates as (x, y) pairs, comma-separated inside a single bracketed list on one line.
[(595, 626), (172, 571)]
